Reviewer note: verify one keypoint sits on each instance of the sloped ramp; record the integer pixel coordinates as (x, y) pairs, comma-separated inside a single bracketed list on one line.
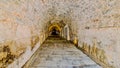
[(59, 53)]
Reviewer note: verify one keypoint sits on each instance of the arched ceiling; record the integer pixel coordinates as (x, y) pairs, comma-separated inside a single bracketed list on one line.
[(59, 24), (51, 27)]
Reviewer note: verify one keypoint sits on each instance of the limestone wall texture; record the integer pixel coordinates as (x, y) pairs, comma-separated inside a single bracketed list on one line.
[(19, 30), (94, 23), (102, 44), (99, 31)]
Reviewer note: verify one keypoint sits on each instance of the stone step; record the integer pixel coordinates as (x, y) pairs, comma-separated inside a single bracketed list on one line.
[(55, 53)]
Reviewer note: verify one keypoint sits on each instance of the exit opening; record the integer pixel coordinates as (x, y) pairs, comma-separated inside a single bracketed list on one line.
[(55, 32)]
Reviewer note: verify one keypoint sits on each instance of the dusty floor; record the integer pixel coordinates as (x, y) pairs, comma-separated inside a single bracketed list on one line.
[(59, 53)]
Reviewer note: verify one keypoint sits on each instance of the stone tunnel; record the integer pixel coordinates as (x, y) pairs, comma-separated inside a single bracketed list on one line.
[(59, 33)]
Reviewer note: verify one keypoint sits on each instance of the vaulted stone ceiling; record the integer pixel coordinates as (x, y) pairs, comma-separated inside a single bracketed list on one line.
[(91, 22)]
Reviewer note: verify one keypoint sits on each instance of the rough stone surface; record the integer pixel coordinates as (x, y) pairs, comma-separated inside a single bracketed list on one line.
[(93, 22), (59, 53)]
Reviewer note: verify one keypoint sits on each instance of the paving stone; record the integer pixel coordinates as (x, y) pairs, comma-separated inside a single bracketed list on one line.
[(61, 54)]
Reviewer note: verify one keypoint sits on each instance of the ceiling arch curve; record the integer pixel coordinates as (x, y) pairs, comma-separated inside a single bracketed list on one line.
[(54, 26)]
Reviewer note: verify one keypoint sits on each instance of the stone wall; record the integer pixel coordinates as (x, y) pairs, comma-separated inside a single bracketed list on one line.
[(93, 24), (20, 33), (102, 45), (99, 32)]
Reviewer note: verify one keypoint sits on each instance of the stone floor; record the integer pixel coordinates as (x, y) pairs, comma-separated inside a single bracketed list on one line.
[(59, 53)]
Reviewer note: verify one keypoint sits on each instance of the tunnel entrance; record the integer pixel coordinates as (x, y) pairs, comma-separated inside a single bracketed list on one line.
[(55, 32)]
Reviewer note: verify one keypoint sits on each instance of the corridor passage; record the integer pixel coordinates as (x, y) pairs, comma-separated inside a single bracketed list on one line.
[(59, 53)]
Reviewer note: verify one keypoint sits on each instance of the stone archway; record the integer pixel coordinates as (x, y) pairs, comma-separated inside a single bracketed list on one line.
[(60, 29), (54, 29)]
